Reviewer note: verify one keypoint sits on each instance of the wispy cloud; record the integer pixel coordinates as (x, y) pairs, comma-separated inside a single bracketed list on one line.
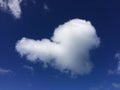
[(14, 8), (11, 6), (30, 68), (4, 71), (68, 50), (102, 87), (45, 7), (117, 69), (117, 56), (116, 85)]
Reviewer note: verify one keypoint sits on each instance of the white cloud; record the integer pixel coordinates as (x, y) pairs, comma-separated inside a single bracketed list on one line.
[(116, 85), (12, 6), (67, 50), (4, 71)]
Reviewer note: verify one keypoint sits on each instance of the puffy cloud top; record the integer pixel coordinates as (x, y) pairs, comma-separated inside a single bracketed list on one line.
[(67, 50)]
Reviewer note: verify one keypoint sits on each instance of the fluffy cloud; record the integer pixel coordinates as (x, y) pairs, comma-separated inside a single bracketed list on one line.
[(68, 50), (4, 71), (12, 6)]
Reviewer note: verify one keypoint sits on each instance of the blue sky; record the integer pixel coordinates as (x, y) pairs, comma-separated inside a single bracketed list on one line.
[(38, 19)]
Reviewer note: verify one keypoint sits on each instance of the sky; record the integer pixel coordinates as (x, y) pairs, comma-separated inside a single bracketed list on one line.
[(59, 45)]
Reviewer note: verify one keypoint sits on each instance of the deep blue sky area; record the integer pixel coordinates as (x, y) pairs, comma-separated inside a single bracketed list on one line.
[(38, 23)]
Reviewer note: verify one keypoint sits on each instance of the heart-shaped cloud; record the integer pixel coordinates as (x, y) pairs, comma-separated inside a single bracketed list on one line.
[(67, 50)]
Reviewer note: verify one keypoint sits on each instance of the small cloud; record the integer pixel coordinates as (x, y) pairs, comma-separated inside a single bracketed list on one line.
[(68, 50), (110, 72), (116, 85), (117, 69), (11, 6), (117, 56), (101, 87), (30, 68), (4, 71), (45, 7)]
